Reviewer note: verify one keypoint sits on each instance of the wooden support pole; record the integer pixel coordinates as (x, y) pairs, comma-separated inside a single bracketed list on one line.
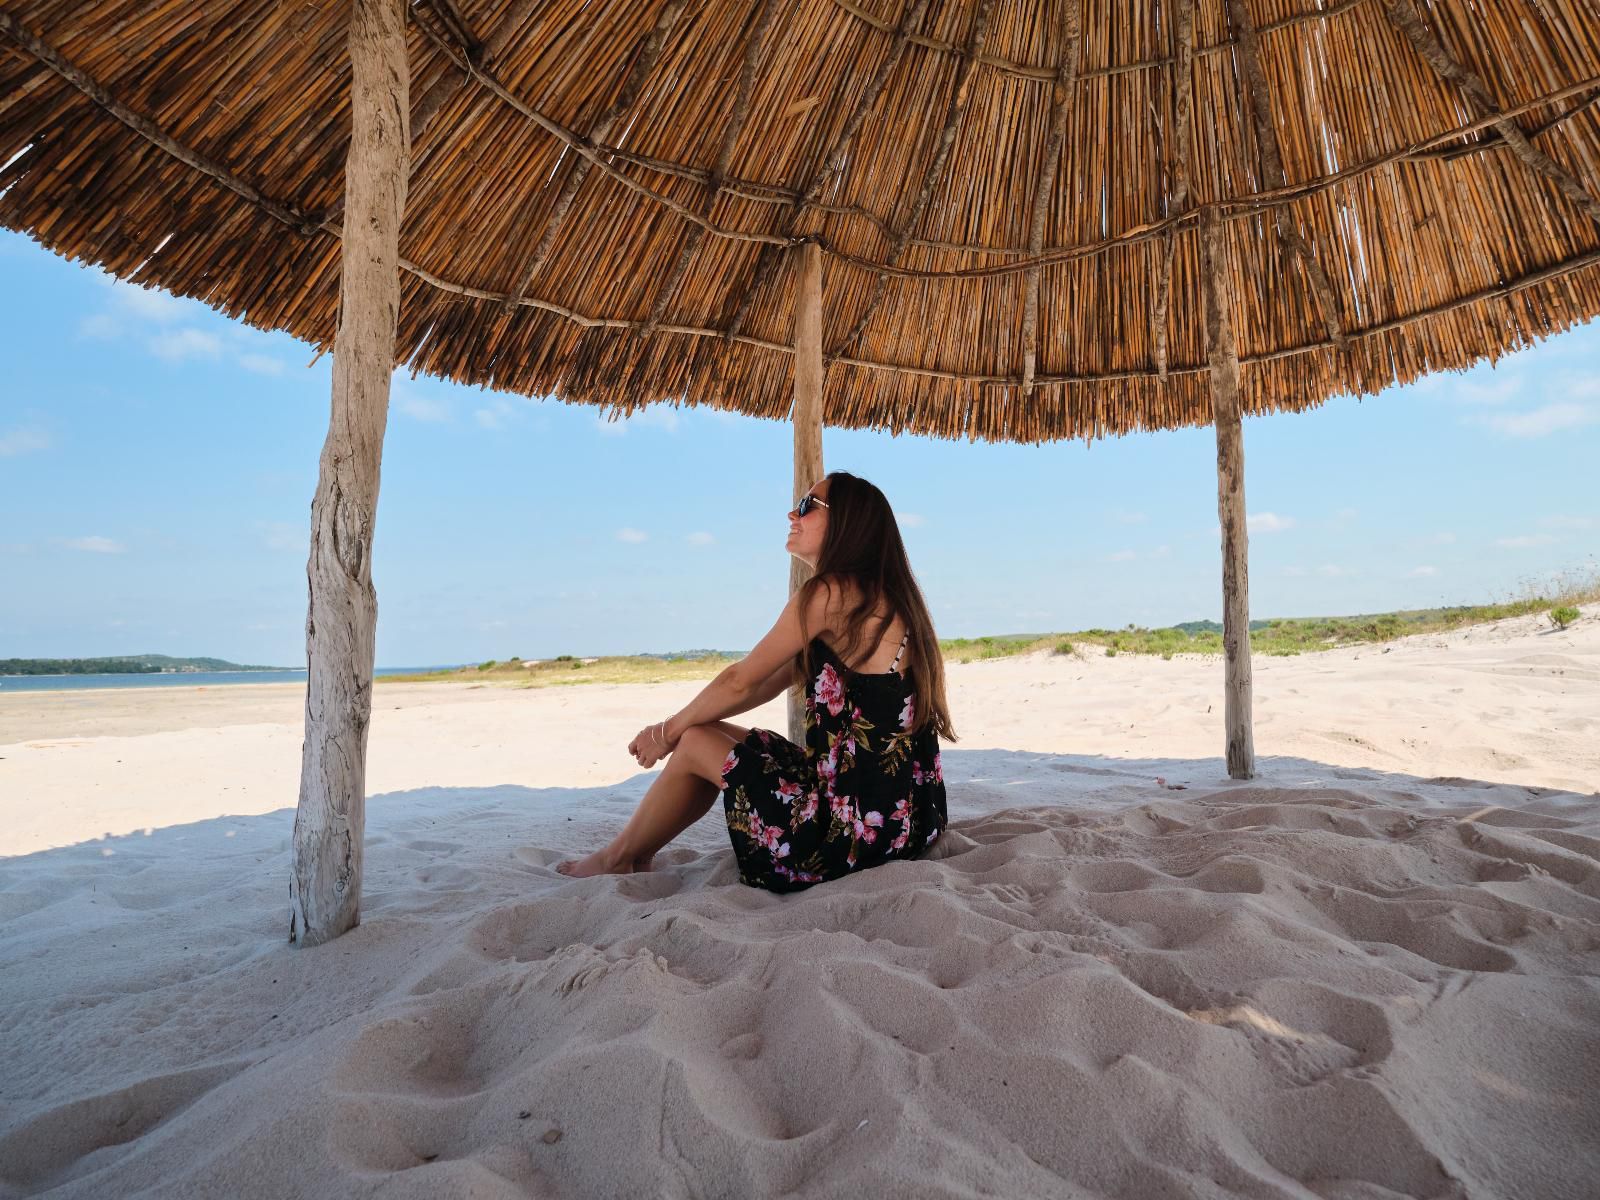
[(325, 873), (807, 418), (1224, 359)]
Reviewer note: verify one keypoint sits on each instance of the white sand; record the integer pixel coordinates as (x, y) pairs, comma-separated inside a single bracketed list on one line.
[(1374, 971)]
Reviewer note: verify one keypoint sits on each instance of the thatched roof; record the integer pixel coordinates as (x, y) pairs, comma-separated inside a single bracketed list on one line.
[(601, 192)]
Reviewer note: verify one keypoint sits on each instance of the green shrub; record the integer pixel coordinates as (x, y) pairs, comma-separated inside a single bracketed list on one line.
[(1563, 616), (487, 665), (1111, 651), (564, 658), (1063, 647)]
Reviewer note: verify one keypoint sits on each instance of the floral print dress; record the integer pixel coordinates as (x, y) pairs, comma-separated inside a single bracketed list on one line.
[(864, 789)]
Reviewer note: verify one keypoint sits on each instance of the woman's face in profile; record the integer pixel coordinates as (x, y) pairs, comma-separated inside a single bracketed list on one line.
[(805, 533)]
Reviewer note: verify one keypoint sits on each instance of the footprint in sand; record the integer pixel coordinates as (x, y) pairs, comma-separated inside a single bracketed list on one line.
[(89, 1135)]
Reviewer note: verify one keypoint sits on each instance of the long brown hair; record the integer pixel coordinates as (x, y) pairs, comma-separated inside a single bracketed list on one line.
[(862, 546)]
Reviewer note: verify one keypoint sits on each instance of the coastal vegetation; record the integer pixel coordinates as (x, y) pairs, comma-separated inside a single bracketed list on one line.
[(566, 669), (1274, 636), (132, 664)]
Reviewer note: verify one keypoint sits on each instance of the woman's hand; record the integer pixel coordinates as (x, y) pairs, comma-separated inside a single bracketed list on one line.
[(651, 744)]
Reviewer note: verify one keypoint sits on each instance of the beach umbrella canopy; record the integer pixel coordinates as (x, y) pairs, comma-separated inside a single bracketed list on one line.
[(1009, 197), (962, 218)]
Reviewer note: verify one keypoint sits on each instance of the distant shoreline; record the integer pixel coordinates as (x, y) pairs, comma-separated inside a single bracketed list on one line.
[(13, 685), (77, 674)]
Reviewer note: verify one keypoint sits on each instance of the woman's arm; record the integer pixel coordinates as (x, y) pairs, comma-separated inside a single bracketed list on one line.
[(774, 685), (753, 680)]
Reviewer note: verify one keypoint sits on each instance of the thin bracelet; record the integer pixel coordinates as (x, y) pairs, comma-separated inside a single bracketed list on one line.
[(661, 736)]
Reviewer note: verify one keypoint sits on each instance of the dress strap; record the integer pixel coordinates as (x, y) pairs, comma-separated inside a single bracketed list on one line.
[(895, 665)]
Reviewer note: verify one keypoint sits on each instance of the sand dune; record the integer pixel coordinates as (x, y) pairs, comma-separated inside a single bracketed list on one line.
[(1370, 973)]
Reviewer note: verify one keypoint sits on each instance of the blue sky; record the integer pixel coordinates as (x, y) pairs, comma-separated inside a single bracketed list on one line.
[(157, 463)]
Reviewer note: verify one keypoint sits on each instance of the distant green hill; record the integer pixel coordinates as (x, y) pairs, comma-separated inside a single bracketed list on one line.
[(132, 664), (1194, 627)]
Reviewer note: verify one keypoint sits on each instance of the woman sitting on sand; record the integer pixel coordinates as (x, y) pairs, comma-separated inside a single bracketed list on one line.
[(867, 787)]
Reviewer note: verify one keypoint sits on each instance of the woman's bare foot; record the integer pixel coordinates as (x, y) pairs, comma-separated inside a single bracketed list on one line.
[(642, 864), (603, 861)]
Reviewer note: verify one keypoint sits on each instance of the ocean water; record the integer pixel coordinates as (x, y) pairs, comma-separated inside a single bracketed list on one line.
[(64, 683)]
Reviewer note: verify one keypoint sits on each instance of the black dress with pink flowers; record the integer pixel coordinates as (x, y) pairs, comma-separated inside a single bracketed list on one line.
[(864, 789)]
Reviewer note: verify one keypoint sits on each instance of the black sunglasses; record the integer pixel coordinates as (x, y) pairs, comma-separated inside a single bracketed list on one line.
[(805, 504)]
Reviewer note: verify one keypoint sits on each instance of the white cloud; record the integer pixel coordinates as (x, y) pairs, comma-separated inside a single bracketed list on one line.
[(495, 414), (911, 520), (261, 364), (700, 538), (23, 441), (1267, 522), (421, 408), (102, 327), (1489, 392), (181, 344), (1567, 522), (1121, 556), (1539, 422), (634, 536), (1332, 571), (657, 416), (1422, 572), (284, 535), (150, 304), (95, 544), (1524, 541)]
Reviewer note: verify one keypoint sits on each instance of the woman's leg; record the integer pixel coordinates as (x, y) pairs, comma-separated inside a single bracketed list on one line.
[(682, 794)]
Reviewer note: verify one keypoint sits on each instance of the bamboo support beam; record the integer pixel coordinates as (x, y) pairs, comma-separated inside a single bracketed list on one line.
[(832, 163), (599, 154), (1271, 174), (330, 819), (931, 177), (1223, 356), (1521, 283), (1047, 75), (807, 419), (714, 182), (1182, 111), (644, 61), (456, 81), (1060, 102), (1405, 17)]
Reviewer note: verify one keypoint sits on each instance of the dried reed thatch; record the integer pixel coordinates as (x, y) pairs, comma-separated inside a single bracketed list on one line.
[(1009, 195)]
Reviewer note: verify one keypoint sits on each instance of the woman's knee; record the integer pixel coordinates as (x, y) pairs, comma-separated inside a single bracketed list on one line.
[(704, 749)]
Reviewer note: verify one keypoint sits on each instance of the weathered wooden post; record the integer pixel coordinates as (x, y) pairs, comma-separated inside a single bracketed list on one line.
[(325, 877), (1224, 359), (807, 417)]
